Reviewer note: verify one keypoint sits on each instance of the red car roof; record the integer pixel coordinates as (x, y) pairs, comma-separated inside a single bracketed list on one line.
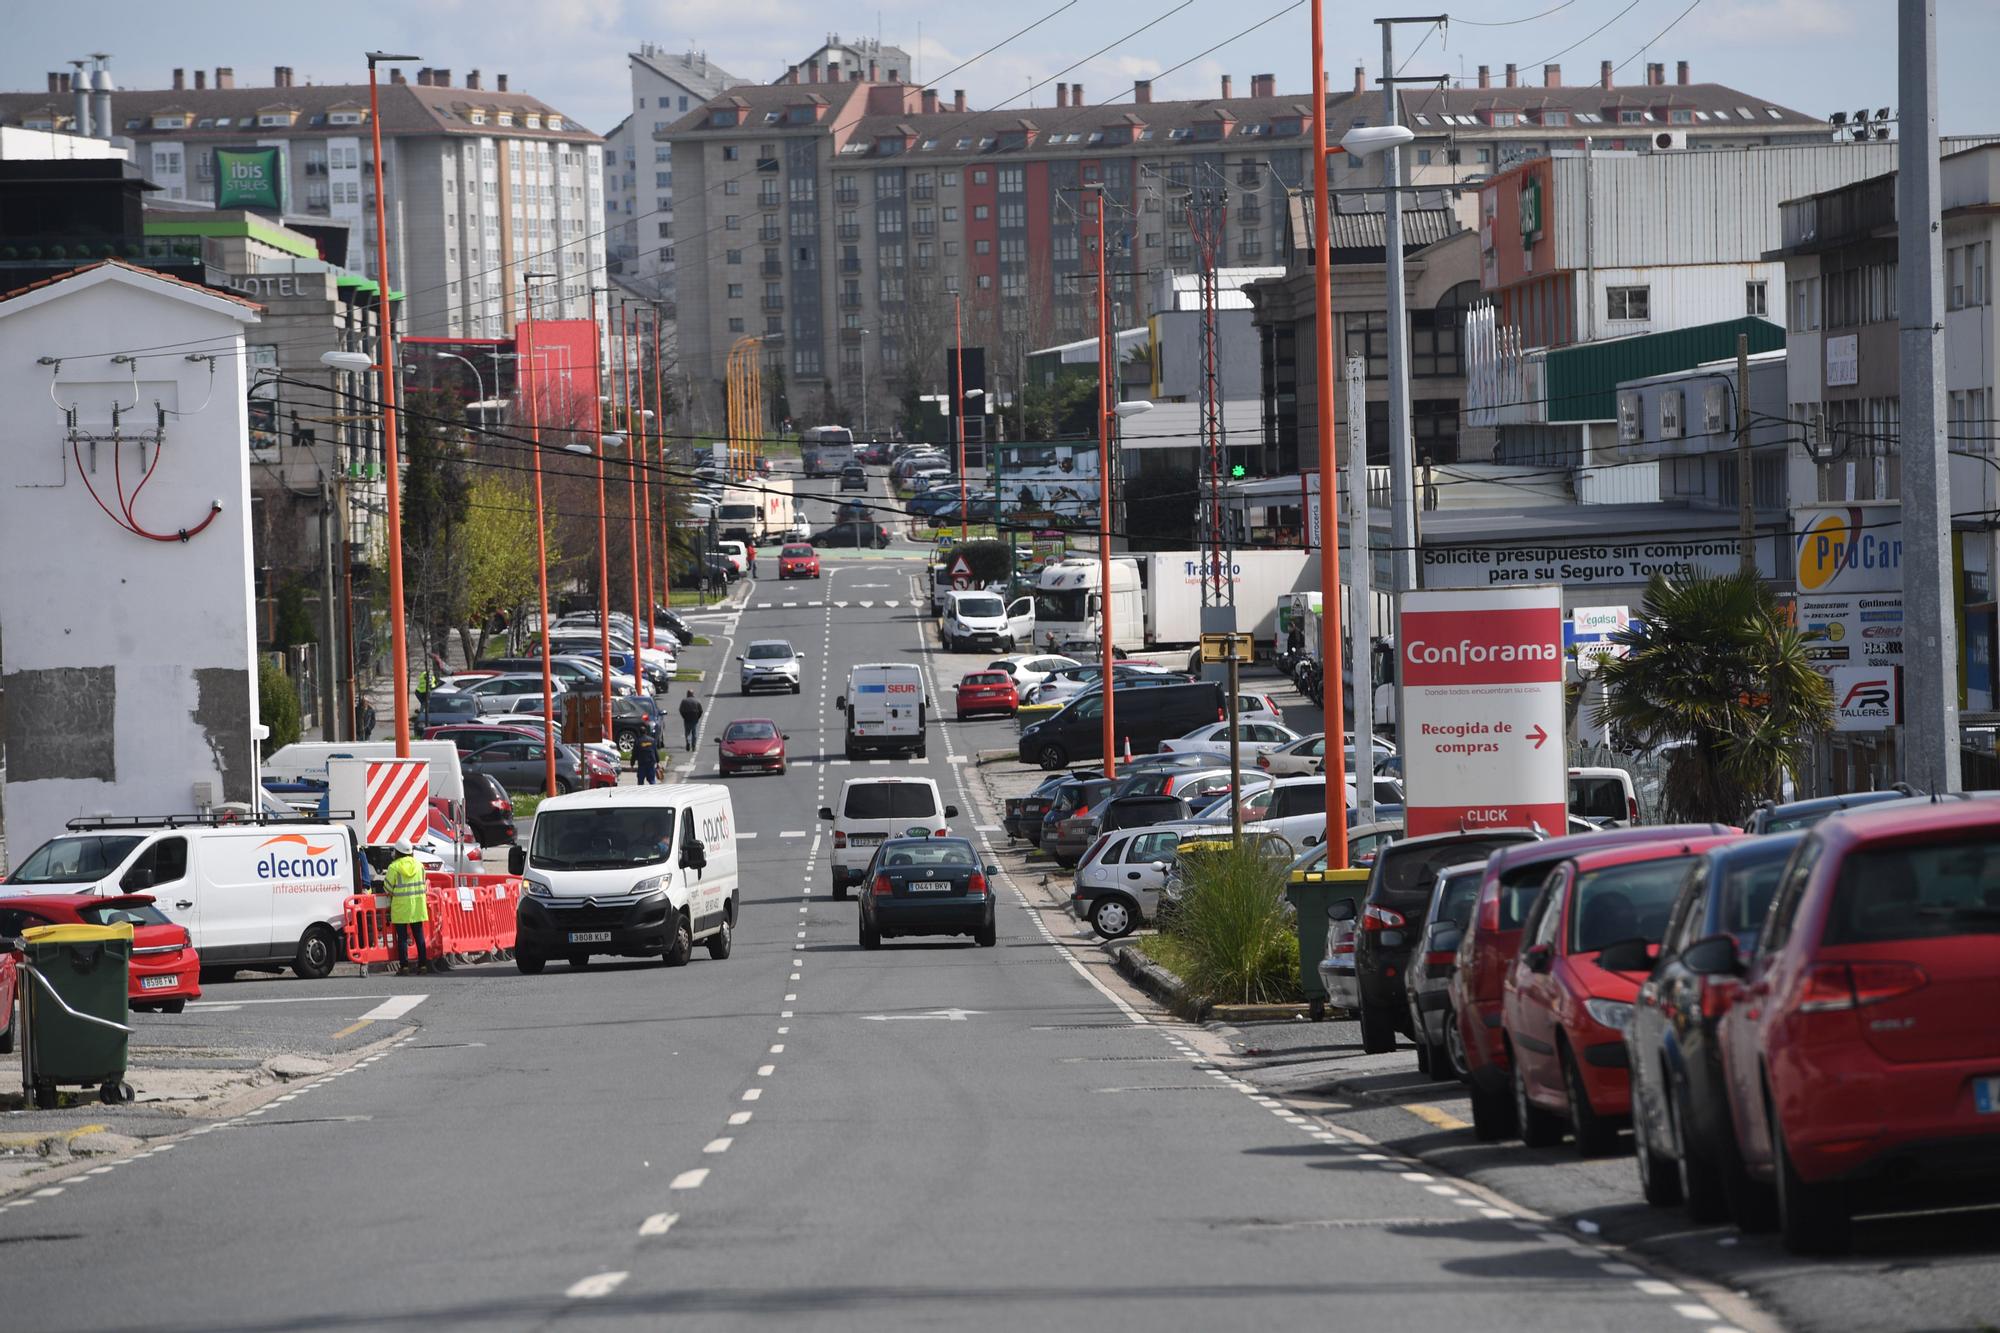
[(1633, 852), (1892, 820)]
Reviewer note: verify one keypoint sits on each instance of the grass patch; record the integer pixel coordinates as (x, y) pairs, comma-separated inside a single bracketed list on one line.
[(1168, 951), (693, 597), (525, 804), (701, 641), (1240, 943), (689, 674)]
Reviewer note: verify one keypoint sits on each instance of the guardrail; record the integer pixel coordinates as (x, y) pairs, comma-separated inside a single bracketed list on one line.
[(469, 915)]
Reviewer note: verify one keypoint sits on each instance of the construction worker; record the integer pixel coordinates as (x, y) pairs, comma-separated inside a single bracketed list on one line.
[(404, 883)]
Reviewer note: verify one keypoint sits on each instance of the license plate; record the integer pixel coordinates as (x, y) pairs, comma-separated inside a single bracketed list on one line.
[(930, 886), (159, 983), (858, 839), (590, 937), (1986, 1095)]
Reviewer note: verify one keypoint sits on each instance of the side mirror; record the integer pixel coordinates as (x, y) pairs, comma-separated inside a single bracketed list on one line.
[(517, 859), (1537, 957), (1714, 956), (694, 856), (784, 735), (1446, 939), (840, 703), (1342, 909), (826, 812), (951, 812), (739, 657), (991, 870), (1626, 956), (137, 879)]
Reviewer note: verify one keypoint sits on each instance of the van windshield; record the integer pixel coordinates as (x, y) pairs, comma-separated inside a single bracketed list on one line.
[(1598, 798), (74, 860), (890, 800), (979, 606), (602, 839)]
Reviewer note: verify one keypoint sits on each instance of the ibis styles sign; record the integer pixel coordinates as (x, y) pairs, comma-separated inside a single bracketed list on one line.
[(250, 178)]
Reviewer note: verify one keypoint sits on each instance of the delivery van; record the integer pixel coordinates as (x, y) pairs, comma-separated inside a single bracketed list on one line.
[(635, 872), (887, 709), (257, 892)]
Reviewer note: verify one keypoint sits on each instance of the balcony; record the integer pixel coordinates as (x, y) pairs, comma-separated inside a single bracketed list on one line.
[(847, 198), (849, 231), (924, 228), (923, 191), (1250, 213), (851, 335), (850, 300), (770, 235), (774, 303), (850, 266), (771, 268), (769, 200)]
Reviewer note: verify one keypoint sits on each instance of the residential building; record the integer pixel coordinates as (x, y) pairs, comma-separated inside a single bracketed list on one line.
[(489, 184), (639, 168)]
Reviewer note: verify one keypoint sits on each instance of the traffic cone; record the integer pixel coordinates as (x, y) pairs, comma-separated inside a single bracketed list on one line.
[(1128, 749)]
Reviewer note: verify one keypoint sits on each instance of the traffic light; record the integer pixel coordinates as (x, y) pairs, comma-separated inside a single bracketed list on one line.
[(1238, 472)]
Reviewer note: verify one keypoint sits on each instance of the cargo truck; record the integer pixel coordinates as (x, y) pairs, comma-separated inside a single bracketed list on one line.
[(1156, 597)]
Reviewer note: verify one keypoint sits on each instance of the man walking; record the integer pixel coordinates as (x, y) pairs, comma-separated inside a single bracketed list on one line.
[(751, 559), (646, 758), (690, 715), (408, 907)]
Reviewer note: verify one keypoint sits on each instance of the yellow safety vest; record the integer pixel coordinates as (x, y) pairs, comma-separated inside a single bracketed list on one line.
[(404, 881)]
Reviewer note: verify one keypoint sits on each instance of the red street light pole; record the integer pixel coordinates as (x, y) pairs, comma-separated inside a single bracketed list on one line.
[(603, 562), (1329, 543), (636, 452), (399, 659), (634, 421), (659, 455), (541, 542)]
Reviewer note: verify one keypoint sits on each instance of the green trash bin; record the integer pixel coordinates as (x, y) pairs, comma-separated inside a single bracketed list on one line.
[(1311, 892), (74, 1005)]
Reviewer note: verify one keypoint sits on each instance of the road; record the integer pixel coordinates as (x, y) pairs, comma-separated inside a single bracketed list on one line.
[(928, 1134)]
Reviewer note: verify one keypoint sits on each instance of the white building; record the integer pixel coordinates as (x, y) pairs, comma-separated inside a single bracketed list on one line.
[(639, 172), (118, 700)]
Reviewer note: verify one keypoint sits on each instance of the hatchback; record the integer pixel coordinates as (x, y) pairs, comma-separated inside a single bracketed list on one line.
[(854, 478), (165, 972), (489, 810), (1023, 817), (1587, 943), (1862, 1059), (1118, 882), (986, 693), (1066, 830), (798, 561), (927, 886), (751, 744)]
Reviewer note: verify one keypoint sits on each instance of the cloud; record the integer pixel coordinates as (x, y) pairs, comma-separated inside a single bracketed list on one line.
[(1773, 20)]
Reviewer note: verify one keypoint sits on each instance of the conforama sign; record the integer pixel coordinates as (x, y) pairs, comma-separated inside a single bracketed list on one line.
[(1482, 678)]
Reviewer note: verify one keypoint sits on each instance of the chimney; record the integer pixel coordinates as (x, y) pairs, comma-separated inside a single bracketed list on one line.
[(180, 81), (397, 76), (958, 99), (1226, 94), (1062, 95), (1552, 76), (1076, 94), (874, 72), (55, 81), (1360, 79), (424, 77), (1142, 91), (1604, 74), (1681, 73), (225, 76), (1261, 85), (81, 86), (441, 78), (1513, 78), (791, 74), (1659, 69), (472, 81), (500, 84), (1486, 76), (930, 101), (200, 80)]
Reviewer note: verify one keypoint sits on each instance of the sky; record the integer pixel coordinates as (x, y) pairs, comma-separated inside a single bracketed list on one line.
[(1815, 56)]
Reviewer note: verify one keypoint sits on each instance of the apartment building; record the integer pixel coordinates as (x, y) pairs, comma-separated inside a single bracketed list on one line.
[(639, 168), (488, 184)]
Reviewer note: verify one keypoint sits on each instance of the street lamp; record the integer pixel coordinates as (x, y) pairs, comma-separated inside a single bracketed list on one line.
[(399, 663), (478, 380)]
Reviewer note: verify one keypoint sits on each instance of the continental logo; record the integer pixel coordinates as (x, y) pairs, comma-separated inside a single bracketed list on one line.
[(297, 857), (1838, 541)]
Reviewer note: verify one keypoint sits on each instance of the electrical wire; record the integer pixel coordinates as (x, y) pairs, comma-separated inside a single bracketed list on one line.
[(1586, 37), (1512, 23), (1656, 37)]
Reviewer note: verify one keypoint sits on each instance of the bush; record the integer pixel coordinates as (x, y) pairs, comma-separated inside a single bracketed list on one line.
[(277, 705), (1241, 947)]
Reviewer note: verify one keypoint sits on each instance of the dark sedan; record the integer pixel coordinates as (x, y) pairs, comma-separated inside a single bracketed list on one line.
[(852, 534), (927, 886), (1024, 813), (1073, 801), (489, 810)]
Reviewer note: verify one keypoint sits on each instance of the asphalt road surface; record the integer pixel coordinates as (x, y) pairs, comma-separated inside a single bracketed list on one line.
[(932, 1134)]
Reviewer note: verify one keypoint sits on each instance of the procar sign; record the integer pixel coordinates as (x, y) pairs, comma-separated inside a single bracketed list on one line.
[(250, 178), (1482, 680)]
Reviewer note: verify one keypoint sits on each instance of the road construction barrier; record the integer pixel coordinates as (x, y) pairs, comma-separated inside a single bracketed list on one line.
[(470, 915)]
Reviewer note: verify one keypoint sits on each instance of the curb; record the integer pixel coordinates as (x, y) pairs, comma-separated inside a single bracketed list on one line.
[(1159, 983), (994, 756)]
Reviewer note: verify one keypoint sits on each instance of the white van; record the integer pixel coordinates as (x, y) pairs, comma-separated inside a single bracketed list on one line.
[(871, 809), (1604, 796), (887, 709), (631, 871), (977, 619), (260, 892)]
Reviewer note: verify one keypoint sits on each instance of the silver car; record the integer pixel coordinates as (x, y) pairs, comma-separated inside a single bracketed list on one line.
[(770, 663)]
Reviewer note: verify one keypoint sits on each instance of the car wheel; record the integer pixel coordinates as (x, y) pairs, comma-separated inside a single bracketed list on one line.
[(1812, 1219), (721, 941), (1053, 757), (1701, 1174), (1492, 1114), (531, 964), (680, 942), (1113, 917), (564, 786), (1454, 1045), (871, 938), (1538, 1128), (1594, 1134), (1378, 1029), (173, 1006), (319, 950), (579, 961), (1659, 1176)]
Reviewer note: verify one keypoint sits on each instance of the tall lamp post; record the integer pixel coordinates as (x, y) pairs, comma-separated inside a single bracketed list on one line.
[(864, 334), (1105, 398), (528, 281), (399, 663), (958, 407)]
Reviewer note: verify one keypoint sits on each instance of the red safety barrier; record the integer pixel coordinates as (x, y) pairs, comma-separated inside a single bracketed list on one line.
[(469, 914)]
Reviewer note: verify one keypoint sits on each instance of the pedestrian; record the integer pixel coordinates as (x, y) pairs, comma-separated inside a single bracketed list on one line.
[(1295, 637), (690, 716), (367, 720), (646, 758), (408, 907), (752, 562)]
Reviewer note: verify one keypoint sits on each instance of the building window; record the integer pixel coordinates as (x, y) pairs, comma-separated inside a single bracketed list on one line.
[(729, 153), (979, 178), (982, 247), (733, 257), (730, 222), (1011, 181), (1628, 303), (728, 186), (1755, 300), (736, 325), (735, 291), (1423, 157), (980, 213)]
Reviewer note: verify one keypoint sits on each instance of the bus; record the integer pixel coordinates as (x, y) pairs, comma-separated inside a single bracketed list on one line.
[(827, 449)]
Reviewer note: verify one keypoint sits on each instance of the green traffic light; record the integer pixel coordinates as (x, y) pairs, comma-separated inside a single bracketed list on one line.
[(1238, 472)]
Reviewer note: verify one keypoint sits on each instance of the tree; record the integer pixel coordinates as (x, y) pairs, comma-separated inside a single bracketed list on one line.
[(1716, 671), (434, 492), (499, 553), (1064, 410), (277, 705)]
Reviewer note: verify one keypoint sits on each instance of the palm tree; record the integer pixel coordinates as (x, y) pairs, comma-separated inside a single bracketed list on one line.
[(1716, 670)]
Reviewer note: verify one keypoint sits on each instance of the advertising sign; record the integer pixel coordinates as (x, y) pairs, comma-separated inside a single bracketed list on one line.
[(250, 178), (1865, 698), (1590, 629), (1482, 677), (1854, 629), (1050, 484), (1848, 548), (1843, 360), (1610, 563)]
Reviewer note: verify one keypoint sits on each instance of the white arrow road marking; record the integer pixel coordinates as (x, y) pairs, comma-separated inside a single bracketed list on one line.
[(953, 1015), (598, 1284), (892, 602)]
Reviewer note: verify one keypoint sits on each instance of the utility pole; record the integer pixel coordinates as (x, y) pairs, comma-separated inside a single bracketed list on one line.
[(1208, 212), (1360, 596), (329, 684), (1930, 673), (1746, 503), (1107, 398)]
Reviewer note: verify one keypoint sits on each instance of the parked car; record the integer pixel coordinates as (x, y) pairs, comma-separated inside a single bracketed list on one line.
[(1399, 889), (1199, 786), (737, 553), (798, 561), (165, 972), (1862, 1060), (1586, 944), (520, 764), (852, 533), (502, 692), (1681, 1135), (770, 662), (1023, 814), (1253, 738), (600, 769), (1066, 831), (1028, 669), (1773, 818), (1604, 796), (927, 886), (634, 715), (1118, 881), (1145, 717), (987, 693), (1432, 962), (489, 810), (1513, 877), (751, 743), (441, 707)]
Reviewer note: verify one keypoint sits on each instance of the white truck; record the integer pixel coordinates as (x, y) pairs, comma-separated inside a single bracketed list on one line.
[(1156, 596)]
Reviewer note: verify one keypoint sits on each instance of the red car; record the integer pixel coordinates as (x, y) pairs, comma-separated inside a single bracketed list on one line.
[(1514, 875), (751, 743), (798, 562), (987, 692), (1587, 946), (10, 976), (166, 971), (1862, 1056), (603, 773)]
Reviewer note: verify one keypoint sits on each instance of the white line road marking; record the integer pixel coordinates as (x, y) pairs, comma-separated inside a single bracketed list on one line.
[(790, 998), (1695, 1312), (795, 976), (598, 1284), (51, 1191), (740, 1117), (753, 1094), (765, 1071), (394, 1007), (1652, 1286), (1620, 1270), (689, 1180), (717, 1145), (793, 833), (778, 1049), (294, 999), (985, 828), (659, 1224), (740, 836)]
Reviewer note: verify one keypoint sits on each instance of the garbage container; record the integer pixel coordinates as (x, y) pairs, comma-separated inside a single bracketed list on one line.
[(74, 1005), (1311, 892)]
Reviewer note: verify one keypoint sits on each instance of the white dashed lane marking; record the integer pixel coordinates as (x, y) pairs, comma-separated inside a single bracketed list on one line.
[(598, 1284), (689, 1180), (659, 1224)]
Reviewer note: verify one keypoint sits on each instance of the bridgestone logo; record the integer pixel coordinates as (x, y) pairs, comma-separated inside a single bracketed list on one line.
[(1467, 653)]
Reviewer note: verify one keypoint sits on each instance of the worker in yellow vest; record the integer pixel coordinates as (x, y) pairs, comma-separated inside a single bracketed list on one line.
[(408, 906)]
